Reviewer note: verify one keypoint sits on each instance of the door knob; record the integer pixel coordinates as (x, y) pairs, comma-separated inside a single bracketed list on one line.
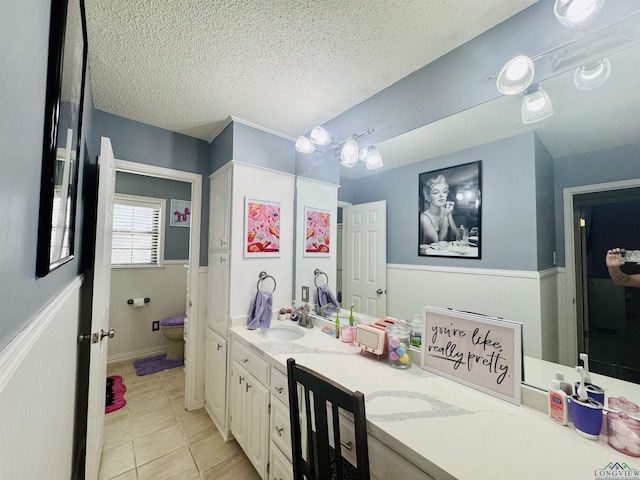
[(380, 291), (82, 337), (109, 334)]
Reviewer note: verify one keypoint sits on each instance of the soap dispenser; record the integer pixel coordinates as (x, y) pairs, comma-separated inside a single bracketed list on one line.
[(558, 403)]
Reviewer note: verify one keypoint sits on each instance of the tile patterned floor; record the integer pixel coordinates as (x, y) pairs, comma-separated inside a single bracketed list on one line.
[(154, 438)]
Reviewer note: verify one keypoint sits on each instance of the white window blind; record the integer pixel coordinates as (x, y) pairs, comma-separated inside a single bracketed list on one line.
[(137, 231)]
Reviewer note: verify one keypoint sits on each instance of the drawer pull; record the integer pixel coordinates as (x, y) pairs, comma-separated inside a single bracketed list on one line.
[(247, 386), (219, 346), (244, 360), (278, 430), (279, 389), (240, 380), (347, 445)]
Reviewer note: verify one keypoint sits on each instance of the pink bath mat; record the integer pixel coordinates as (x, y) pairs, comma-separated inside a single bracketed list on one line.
[(115, 394)]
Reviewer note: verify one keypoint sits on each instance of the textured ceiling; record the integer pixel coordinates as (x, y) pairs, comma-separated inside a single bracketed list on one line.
[(285, 65)]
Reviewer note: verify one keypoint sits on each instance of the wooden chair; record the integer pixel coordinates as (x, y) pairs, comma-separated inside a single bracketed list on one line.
[(322, 395)]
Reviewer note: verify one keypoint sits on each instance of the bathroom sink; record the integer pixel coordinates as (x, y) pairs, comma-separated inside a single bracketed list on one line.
[(282, 334)]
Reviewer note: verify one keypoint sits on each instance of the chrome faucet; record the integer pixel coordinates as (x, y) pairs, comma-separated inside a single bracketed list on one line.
[(304, 320)]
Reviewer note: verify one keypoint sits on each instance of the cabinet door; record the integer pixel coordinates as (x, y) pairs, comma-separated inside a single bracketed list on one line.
[(220, 210), (256, 424), (218, 293), (216, 378), (237, 380)]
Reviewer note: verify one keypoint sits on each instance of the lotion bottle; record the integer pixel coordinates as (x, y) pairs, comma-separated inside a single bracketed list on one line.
[(564, 386), (558, 407)]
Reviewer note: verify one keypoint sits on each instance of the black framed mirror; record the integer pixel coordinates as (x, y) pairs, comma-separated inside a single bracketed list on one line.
[(62, 133)]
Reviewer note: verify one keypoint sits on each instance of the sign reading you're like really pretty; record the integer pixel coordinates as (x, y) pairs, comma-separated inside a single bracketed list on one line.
[(479, 351)]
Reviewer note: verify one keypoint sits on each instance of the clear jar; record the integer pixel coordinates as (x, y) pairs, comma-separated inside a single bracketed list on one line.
[(398, 346), (415, 323)]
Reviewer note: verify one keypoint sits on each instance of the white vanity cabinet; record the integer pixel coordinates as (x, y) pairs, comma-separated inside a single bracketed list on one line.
[(384, 463), (249, 404), (215, 393)]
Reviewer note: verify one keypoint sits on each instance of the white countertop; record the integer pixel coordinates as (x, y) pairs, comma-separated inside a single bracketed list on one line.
[(446, 429)]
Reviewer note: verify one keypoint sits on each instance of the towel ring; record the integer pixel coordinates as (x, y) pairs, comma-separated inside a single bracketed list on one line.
[(264, 276), (317, 272)]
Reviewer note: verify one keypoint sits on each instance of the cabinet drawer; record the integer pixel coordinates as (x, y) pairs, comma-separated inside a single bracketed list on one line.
[(280, 467), (279, 386), (281, 427), (255, 365)]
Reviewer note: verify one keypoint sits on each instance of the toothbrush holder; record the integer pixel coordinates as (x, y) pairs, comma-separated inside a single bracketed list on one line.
[(586, 416), (593, 391)]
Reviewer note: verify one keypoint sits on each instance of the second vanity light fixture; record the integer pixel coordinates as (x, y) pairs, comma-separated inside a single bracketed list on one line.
[(348, 149), (518, 73)]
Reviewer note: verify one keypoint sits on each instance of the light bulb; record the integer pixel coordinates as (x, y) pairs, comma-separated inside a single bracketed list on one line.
[(374, 159), (349, 153), (516, 75), (320, 136), (304, 145)]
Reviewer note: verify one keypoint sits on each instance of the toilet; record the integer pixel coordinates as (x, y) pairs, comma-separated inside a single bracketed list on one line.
[(173, 330)]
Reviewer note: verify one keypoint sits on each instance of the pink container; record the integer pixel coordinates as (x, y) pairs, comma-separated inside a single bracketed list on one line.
[(623, 433), (621, 404), (347, 333)]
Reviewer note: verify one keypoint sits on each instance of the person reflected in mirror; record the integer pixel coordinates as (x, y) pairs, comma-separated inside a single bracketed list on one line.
[(436, 221), (614, 261)]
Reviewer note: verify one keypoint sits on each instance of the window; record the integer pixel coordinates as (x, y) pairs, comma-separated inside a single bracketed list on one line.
[(138, 231)]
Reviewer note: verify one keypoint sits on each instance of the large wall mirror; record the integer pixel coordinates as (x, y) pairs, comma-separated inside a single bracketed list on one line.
[(62, 134), (582, 163)]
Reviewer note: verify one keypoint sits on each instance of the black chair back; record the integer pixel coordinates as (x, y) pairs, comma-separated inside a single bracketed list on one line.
[(321, 395)]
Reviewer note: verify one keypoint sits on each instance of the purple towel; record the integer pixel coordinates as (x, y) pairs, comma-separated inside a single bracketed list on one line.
[(260, 311), (325, 296)]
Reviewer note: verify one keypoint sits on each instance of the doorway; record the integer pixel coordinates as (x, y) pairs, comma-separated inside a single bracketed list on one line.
[(608, 314), (194, 378)]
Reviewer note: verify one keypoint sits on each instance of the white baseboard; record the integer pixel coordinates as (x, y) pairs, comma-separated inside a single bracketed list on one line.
[(149, 352)]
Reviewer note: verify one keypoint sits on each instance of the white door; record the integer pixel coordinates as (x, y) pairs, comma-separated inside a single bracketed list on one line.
[(100, 309), (365, 270)]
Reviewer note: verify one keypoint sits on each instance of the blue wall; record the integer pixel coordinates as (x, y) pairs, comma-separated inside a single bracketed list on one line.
[(508, 205), (24, 36), (176, 244), (262, 149), (601, 166)]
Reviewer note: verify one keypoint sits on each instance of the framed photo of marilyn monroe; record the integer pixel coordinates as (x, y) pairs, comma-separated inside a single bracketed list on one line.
[(449, 211)]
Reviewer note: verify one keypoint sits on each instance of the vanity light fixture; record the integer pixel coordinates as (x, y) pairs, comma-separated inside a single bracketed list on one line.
[(576, 14), (592, 75), (536, 105), (516, 75), (347, 151)]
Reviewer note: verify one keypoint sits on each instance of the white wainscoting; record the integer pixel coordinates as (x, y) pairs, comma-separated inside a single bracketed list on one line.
[(165, 286), (523, 296), (37, 393)]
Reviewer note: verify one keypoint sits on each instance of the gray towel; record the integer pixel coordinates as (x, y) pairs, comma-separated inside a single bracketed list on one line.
[(325, 296), (260, 312)]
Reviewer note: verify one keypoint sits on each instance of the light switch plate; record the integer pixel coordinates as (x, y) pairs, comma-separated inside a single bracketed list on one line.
[(305, 294)]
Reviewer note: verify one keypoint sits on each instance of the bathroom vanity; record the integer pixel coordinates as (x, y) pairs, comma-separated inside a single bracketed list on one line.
[(420, 425)]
